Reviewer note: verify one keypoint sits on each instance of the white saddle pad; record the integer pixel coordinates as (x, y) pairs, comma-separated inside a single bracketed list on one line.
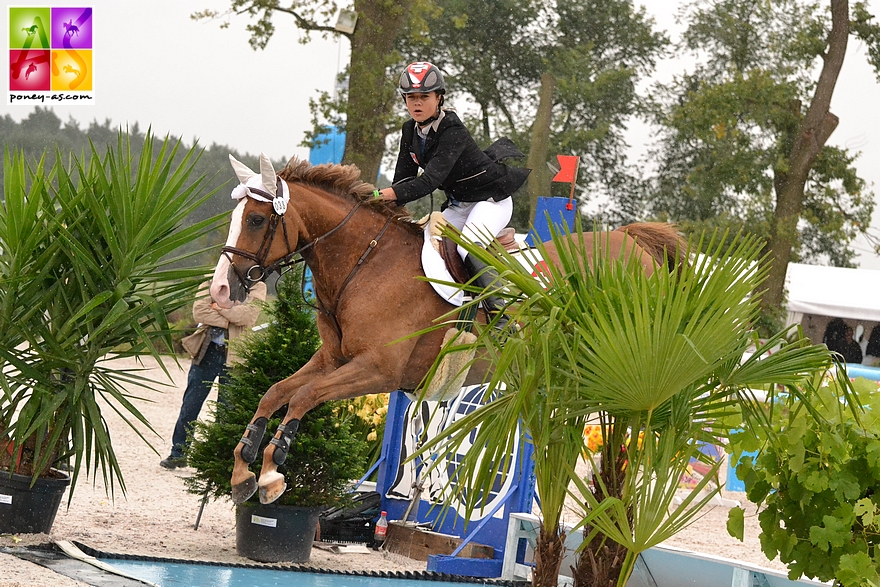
[(435, 268)]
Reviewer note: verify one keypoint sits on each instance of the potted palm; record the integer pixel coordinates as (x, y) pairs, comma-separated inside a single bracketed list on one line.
[(655, 361), (85, 270), (325, 457)]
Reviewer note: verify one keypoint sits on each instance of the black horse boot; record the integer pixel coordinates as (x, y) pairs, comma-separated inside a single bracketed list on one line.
[(486, 277)]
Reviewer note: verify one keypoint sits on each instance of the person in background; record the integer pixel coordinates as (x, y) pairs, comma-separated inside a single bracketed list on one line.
[(872, 351), (834, 335), (850, 349), (478, 186), (209, 347)]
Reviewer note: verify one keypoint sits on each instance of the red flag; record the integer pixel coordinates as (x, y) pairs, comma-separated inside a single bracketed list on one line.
[(568, 165)]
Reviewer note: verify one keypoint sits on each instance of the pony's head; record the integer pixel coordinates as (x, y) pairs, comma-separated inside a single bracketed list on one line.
[(251, 247)]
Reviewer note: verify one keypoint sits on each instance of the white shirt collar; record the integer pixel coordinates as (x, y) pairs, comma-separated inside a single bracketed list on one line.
[(423, 132)]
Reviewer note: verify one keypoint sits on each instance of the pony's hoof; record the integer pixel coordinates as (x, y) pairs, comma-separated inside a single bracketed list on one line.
[(271, 489), (241, 492)]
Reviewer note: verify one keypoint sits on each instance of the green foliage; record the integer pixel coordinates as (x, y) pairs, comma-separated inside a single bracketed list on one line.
[(42, 134), (89, 247), (868, 31), (324, 456), (817, 478), (657, 359), (370, 414), (730, 125)]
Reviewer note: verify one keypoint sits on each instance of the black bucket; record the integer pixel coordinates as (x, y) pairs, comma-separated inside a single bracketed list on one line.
[(275, 533), (25, 509)]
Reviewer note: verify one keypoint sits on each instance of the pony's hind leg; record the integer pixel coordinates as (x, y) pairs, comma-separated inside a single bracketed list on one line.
[(244, 483), (272, 483)]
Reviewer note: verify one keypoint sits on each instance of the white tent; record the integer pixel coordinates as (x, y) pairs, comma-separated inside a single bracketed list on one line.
[(833, 291)]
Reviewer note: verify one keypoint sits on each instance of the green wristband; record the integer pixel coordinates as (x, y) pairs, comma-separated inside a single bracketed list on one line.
[(376, 194)]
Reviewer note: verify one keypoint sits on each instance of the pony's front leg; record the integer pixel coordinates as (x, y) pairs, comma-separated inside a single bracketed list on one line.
[(354, 379), (244, 483)]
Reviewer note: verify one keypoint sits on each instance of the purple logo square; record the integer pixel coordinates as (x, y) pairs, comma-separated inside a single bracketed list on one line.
[(71, 28)]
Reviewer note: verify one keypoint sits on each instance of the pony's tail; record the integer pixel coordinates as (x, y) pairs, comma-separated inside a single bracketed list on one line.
[(661, 240)]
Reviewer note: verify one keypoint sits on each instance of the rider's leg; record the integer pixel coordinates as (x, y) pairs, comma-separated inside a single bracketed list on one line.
[(484, 220), (478, 221), (486, 278)]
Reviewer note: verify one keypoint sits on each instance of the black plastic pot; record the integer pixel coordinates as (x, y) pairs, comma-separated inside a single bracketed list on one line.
[(275, 533), (25, 509)]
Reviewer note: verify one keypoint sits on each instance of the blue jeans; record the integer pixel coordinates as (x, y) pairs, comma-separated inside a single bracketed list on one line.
[(198, 385)]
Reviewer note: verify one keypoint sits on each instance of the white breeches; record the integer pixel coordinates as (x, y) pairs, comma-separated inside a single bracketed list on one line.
[(479, 221)]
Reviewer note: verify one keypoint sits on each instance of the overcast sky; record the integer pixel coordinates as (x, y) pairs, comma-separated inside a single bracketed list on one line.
[(155, 66)]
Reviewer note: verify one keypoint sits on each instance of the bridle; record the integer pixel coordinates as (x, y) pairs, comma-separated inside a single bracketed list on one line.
[(262, 271), (259, 258)]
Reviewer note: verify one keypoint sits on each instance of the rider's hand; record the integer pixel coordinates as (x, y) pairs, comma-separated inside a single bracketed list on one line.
[(388, 195)]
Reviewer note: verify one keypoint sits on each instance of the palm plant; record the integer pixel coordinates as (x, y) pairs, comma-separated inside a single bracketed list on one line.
[(87, 268), (656, 360)]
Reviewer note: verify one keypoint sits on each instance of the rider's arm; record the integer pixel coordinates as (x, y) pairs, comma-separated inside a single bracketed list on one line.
[(450, 145), (406, 168)]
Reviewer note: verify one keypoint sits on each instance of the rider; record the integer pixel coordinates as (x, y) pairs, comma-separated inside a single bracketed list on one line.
[(478, 186)]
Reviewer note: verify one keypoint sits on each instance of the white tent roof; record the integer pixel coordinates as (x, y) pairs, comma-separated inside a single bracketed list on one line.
[(834, 291)]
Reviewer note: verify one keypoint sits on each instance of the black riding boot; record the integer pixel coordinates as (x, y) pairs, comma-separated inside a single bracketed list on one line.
[(486, 277)]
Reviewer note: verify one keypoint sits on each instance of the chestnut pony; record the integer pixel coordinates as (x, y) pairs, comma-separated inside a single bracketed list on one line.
[(365, 258)]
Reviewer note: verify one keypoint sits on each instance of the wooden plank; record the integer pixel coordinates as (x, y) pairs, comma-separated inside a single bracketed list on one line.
[(417, 543)]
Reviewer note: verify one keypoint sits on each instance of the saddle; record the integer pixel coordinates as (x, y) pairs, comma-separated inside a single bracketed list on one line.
[(448, 249), (454, 262)]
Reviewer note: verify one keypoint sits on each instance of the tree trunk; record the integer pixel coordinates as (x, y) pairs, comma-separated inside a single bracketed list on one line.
[(539, 179), (371, 95), (23, 460), (815, 128), (548, 557), (600, 562)]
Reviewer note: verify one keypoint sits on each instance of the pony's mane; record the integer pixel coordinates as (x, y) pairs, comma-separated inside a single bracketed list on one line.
[(345, 181)]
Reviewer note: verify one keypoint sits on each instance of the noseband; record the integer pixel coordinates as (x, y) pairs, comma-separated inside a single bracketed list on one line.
[(260, 271)]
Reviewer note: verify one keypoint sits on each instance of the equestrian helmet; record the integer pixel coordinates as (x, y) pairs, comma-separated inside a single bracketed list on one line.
[(421, 77)]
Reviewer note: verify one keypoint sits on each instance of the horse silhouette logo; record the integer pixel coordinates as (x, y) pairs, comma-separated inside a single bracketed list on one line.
[(31, 30), (31, 68), (71, 69), (70, 28)]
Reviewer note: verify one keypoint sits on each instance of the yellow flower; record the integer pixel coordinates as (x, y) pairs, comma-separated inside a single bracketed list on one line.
[(593, 433)]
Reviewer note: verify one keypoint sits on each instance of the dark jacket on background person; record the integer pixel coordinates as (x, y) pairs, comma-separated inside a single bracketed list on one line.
[(452, 161), (851, 351)]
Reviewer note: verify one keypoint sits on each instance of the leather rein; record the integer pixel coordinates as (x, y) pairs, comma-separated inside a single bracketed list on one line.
[(263, 270)]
